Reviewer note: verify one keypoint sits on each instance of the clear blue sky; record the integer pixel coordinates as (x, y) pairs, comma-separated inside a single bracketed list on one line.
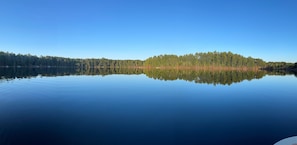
[(137, 29)]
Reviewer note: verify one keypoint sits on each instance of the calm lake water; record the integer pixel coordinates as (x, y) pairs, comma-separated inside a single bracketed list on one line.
[(145, 107)]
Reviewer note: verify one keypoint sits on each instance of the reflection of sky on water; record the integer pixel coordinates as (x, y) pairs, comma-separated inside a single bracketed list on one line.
[(134, 109)]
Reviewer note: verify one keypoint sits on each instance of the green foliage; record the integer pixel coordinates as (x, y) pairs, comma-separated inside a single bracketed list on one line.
[(279, 66), (216, 59), (13, 60), (197, 60)]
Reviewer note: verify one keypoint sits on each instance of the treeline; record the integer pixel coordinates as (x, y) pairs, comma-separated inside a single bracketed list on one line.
[(221, 60), (215, 59), (19, 60), (108, 63), (281, 66)]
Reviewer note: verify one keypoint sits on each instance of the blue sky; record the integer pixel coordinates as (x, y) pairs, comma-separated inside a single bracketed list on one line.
[(137, 29)]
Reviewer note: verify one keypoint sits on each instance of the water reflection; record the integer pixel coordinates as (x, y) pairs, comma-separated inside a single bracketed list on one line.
[(123, 109), (201, 76), (281, 72), (206, 76), (18, 73)]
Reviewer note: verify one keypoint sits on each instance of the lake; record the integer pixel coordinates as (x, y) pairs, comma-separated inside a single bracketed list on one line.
[(146, 107)]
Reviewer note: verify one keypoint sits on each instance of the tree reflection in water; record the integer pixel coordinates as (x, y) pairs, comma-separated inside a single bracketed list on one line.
[(226, 77)]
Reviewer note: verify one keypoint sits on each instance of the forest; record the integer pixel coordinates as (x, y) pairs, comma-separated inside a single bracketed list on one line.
[(209, 60), (214, 59), (19, 60)]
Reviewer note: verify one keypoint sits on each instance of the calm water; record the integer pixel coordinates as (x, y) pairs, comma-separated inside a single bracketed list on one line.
[(59, 107)]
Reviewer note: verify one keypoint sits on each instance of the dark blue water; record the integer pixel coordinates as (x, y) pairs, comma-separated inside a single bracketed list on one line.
[(134, 109)]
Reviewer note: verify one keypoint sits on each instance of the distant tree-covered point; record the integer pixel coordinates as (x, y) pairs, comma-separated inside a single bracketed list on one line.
[(275, 66)]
